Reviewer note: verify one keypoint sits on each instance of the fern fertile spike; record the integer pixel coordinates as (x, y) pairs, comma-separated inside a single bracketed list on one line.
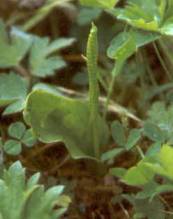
[(92, 55)]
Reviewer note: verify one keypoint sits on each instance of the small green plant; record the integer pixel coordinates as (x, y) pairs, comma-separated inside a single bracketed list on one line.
[(150, 15), (47, 126), (60, 117), (123, 46), (123, 141), (20, 136), (21, 198), (143, 175), (92, 126)]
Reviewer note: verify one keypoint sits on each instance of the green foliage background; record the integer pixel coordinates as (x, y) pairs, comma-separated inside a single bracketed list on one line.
[(86, 83)]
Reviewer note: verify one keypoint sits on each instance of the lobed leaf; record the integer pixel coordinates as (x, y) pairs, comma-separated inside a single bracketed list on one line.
[(21, 199), (13, 91), (41, 63), (14, 47)]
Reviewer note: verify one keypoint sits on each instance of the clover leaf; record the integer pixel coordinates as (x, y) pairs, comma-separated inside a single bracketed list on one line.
[(20, 136), (147, 15), (161, 164), (121, 138), (17, 130), (12, 147), (125, 44), (28, 138)]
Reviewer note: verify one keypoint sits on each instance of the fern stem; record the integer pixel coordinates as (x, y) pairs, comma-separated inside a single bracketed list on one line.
[(116, 71)]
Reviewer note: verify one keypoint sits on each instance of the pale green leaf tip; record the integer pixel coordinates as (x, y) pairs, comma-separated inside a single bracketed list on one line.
[(93, 27)]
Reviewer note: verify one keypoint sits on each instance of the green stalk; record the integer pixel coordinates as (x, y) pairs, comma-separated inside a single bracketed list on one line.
[(162, 62), (92, 56), (166, 51), (115, 72), (41, 13)]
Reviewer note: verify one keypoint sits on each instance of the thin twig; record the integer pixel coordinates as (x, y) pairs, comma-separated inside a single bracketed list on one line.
[(126, 213), (112, 107), (66, 158), (42, 149), (22, 71), (162, 61)]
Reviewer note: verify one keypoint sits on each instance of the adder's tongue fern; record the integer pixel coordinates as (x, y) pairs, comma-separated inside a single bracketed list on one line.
[(92, 56)]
